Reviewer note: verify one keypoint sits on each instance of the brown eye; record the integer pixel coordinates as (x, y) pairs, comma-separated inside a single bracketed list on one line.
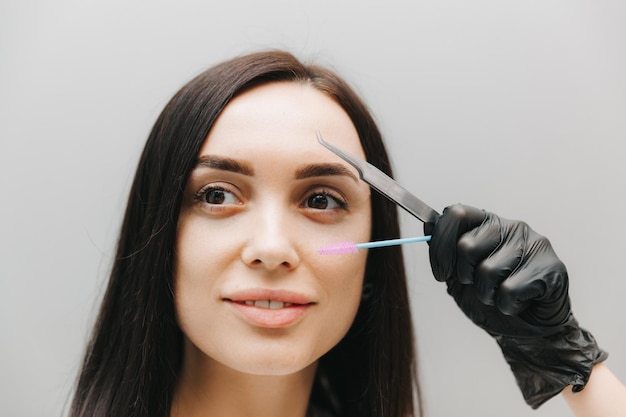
[(218, 196), (323, 201), (318, 201), (215, 197)]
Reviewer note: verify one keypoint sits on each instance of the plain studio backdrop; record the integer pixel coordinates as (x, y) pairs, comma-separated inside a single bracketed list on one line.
[(517, 107)]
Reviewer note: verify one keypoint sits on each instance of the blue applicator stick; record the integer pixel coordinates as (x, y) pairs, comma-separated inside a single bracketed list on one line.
[(351, 247), (392, 242)]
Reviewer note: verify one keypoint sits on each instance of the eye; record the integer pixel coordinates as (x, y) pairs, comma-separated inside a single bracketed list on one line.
[(217, 196), (324, 201)]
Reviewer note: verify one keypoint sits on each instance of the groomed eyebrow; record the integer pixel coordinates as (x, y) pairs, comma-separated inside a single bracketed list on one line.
[(324, 170), (308, 171), (224, 164)]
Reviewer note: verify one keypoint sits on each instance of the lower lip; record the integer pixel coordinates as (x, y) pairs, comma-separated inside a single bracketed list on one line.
[(265, 317)]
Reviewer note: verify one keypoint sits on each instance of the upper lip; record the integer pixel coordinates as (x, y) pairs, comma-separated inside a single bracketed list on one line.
[(258, 294)]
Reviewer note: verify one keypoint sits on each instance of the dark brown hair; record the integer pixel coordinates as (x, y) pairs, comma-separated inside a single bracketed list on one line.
[(134, 356)]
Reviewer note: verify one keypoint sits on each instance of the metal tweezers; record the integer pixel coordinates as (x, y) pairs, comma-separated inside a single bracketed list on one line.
[(385, 185)]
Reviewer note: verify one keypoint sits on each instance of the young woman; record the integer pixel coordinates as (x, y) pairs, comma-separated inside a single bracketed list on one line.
[(219, 303)]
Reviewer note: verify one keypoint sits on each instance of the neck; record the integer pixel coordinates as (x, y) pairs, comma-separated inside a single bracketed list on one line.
[(213, 389)]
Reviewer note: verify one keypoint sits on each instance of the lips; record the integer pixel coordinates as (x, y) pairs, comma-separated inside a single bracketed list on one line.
[(271, 304), (270, 308), (264, 298)]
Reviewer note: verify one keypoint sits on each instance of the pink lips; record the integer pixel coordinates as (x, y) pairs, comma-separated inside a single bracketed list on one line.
[(270, 308)]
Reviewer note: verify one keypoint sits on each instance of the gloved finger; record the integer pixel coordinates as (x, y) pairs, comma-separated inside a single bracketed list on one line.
[(476, 245), (540, 281), (453, 222), (494, 270), (511, 237)]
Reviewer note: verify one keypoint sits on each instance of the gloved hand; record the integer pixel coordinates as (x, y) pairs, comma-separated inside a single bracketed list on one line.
[(507, 279)]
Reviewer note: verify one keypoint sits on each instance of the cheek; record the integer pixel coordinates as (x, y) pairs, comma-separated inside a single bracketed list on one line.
[(343, 283), (190, 259), (343, 275), (197, 263), (201, 248), (198, 268)]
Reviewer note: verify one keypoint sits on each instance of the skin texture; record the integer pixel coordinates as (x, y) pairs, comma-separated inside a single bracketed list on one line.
[(252, 232), (604, 395)]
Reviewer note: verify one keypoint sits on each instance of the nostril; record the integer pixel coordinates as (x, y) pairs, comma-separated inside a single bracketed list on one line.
[(270, 255)]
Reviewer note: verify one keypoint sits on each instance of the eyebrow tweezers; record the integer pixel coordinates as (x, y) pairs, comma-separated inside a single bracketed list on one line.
[(385, 185)]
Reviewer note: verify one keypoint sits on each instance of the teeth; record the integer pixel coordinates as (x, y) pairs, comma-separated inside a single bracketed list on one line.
[(270, 304)]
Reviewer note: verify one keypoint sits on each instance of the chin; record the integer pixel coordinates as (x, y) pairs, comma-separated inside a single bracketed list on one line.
[(272, 365)]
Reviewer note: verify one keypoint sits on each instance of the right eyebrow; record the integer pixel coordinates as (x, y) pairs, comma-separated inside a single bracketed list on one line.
[(224, 164), (324, 170)]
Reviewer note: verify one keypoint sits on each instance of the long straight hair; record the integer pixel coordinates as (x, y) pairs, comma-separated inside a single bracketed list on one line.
[(134, 356)]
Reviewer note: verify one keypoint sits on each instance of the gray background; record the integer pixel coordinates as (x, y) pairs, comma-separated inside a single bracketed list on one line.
[(517, 107)]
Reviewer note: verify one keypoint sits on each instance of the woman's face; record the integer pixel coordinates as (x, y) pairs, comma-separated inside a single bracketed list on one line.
[(251, 291)]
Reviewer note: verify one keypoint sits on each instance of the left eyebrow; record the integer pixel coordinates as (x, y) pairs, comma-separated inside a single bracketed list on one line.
[(324, 170), (224, 164)]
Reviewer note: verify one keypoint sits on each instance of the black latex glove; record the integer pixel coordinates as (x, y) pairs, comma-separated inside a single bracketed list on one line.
[(507, 279)]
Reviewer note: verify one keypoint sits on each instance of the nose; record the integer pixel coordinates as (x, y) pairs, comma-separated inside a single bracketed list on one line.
[(270, 245)]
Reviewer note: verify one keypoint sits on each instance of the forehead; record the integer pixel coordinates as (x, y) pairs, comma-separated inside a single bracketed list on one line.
[(282, 117)]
